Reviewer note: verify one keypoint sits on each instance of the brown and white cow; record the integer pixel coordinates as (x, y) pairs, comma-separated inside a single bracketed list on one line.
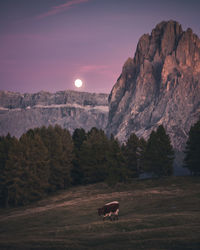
[(110, 209)]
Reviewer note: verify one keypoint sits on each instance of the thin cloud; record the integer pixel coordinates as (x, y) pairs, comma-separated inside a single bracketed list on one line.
[(60, 8), (103, 70), (92, 68)]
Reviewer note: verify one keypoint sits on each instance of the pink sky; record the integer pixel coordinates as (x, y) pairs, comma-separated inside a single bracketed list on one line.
[(46, 45)]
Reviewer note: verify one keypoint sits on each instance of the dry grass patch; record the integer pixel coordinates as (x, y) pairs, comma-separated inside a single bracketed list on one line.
[(154, 214)]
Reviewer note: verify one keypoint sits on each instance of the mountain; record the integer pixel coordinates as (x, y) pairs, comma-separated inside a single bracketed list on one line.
[(70, 109), (160, 85)]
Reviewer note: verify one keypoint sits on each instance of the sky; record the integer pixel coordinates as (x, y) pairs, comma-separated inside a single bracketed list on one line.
[(45, 45)]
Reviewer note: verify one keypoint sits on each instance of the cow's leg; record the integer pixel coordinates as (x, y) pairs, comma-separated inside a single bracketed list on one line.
[(116, 214), (110, 216), (106, 215)]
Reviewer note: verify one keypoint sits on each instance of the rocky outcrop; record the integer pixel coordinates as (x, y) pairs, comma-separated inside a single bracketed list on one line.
[(160, 85), (70, 109)]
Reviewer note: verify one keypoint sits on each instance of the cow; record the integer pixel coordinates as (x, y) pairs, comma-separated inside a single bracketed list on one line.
[(109, 209)]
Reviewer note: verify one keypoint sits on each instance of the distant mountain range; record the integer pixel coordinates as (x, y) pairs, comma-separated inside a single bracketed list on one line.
[(70, 109), (160, 85)]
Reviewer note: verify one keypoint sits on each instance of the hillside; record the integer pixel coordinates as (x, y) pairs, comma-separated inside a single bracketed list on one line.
[(154, 214)]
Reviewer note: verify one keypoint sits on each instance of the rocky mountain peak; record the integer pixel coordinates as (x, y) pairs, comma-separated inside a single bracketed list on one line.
[(160, 85), (162, 42)]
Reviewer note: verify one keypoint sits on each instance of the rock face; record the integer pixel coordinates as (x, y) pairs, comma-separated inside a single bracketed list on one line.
[(160, 85), (70, 109)]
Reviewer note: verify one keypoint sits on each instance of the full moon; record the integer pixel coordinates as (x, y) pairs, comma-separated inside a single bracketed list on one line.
[(78, 83)]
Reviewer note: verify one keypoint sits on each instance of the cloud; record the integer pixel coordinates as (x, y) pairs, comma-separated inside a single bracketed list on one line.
[(92, 68), (103, 70), (61, 8)]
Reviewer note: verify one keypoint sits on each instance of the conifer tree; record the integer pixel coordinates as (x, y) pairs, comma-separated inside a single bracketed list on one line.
[(116, 170), (5, 145), (93, 156), (13, 176), (159, 154), (133, 152), (59, 143), (35, 166), (66, 155), (39, 162), (54, 147), (79, 136), (192, 157)]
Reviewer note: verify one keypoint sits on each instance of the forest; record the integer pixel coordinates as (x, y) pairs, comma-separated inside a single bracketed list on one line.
[(47, 159)]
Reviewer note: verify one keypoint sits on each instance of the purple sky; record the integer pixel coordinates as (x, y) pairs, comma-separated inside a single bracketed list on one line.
[(47, 44)]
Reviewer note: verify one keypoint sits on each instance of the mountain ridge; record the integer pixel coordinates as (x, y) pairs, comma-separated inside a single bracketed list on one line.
[(69, 109), (159, 85)]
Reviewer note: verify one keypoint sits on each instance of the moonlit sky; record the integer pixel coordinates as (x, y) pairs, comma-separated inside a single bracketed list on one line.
[(47, 44)]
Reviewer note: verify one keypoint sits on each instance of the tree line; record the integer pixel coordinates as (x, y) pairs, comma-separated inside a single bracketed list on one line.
[(44, 160)]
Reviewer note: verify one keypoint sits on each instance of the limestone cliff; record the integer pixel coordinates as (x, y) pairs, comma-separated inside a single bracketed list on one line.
[(160, 85), (70, 109)]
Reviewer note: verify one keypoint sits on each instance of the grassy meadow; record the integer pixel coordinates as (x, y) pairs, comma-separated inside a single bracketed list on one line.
[(154, 214)]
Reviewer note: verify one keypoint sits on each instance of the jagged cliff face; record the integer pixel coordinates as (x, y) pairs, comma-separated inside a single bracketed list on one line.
[(160, 85), (70, 109)]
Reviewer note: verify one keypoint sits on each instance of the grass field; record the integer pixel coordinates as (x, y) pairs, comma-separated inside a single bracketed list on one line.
[(154, 214)]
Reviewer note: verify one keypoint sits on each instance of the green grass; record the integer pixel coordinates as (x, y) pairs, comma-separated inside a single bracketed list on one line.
[(154, 214)]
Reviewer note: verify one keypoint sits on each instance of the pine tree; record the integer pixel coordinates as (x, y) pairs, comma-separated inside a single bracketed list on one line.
[(35, 166), (133, 151), (66, 156), (192, 158), (6, 143), (79, 136), (159, 154), (116, 170), (39, 162), (54, 147), (93, 156), (13, 176), (59, 143), (4, 149)]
